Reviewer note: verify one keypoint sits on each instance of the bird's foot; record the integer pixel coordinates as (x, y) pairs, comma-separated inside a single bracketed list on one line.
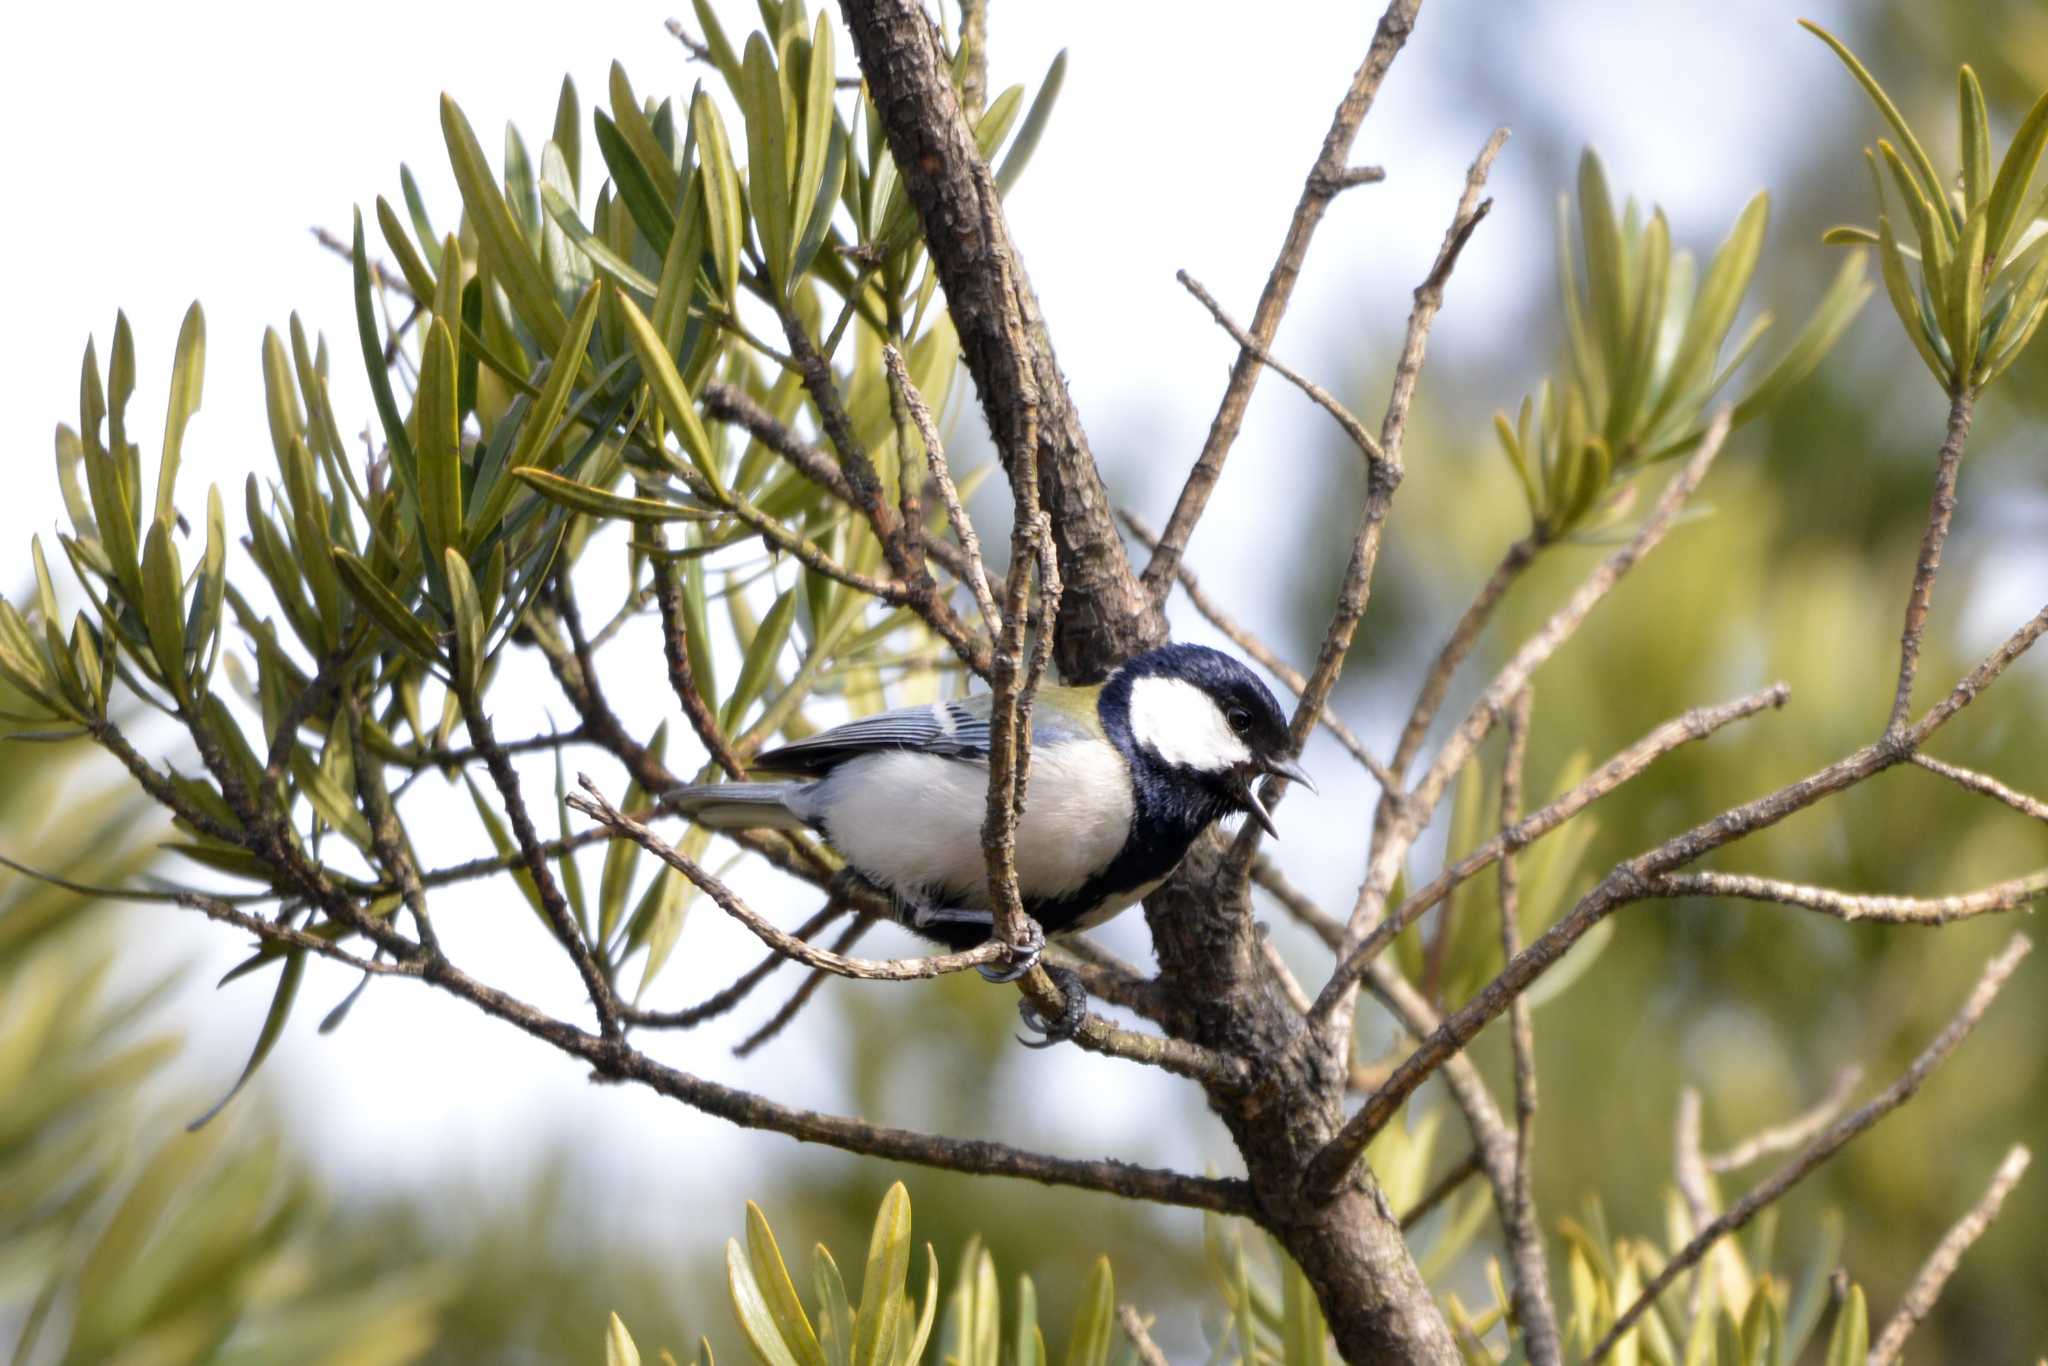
[(1024, 954), (1071, 1014)]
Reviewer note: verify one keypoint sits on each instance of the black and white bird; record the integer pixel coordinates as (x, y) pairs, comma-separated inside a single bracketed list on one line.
[(1124, 775)]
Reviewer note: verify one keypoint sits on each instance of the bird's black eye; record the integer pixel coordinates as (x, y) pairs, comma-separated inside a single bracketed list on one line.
[(1240, 720)]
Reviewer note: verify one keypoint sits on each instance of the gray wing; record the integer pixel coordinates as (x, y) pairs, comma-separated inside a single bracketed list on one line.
[(957, 729)]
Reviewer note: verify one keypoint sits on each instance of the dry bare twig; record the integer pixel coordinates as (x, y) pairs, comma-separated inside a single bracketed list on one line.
[(1941, 1263)]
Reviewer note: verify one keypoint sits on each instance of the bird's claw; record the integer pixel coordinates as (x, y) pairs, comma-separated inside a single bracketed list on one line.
[(1024, 954), (1071, 1014)]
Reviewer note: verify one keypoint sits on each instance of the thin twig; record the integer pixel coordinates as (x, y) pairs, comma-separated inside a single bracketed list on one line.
[(724, 1000), (1941, 1263), (1321, 397), (976, 576), (1326, 178), (553, 904), (801, 997), (682, 679), (1985, 785), (1784, 1137), (1529, 1278), (1140, 1339), (1889, 910), (1828, 1143), (1437, 681), (1939, 514), (1446, 1186)]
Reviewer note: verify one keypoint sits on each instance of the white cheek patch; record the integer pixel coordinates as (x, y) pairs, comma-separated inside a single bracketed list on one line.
[(1183, 725)]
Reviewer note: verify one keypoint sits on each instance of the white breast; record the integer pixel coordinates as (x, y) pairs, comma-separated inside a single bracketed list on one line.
[(912, 822)]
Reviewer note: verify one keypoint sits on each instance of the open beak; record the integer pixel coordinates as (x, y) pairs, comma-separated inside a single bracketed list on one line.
[(1289, 769)]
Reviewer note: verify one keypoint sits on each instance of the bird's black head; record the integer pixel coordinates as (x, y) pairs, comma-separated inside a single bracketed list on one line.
[(1194, 718)]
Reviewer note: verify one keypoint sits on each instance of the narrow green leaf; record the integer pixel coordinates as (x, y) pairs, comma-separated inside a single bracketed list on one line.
[(618, 1344), (188, 378), (1974, 135), (1094, 1328), (1720, 299), (1033, 127), (162, 608), (814, 140), (369, 334), (440, 443), (568, 134), (648, 211), (469, 622), (202, 626), (1837, 309), (882, 1280), (750, 1306), (721, 195), (1605, 270), (768, 159), (267, 1037), (608, 262), (1849, 235), (670, 393), (723, 54), (1899, 289), (504, 247), (1937, 251), (1966, 299), (778, 1295), (835, 1313), (639, 136), (2015, 175), (1849, 1343), (1928, 178), (329, 799), (759, 665), (606, 504), (405, 629), (539, 446)]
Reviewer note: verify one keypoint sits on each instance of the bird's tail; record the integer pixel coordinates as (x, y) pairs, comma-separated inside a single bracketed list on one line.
[(737, 806)]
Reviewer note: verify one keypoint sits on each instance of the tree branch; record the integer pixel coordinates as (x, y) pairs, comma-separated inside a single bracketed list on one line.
[(1985, 785), (1939, 514), (1888, 910), (1326, 178)]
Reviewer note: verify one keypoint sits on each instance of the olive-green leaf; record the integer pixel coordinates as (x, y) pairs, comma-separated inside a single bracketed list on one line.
[(815, 140), (835, 1313), (604, 503), (1033, 127), (163, 611), (440, 443), (568, 133), (418, 278), (618, 1344), (882, 1280), (638, 133), (1937, 251), (1094, 1329), (469, 622), (750, 1306), (538, 447), (1849, 1343), (267, 1037), (759, 665), (1838, 307), (1966, 299), (2015, 175), (385, 609), (778, 1294), (767, 158), (1899, 289), (1929, 179), (188, 377), (721, 194), (329, 799), (371, 338), (608, 262), (670, 393), (505, 248)]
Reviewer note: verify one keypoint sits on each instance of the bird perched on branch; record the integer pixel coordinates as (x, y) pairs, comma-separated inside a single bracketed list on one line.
[(1124, 775)]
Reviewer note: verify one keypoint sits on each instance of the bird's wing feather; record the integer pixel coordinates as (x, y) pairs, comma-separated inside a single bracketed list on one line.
[(958, 729)]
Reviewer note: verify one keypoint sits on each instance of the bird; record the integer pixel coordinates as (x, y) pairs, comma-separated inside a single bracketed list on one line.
[(1123, 776)]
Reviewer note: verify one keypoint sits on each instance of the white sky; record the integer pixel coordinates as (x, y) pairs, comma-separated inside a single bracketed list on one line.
[(163, 153)]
